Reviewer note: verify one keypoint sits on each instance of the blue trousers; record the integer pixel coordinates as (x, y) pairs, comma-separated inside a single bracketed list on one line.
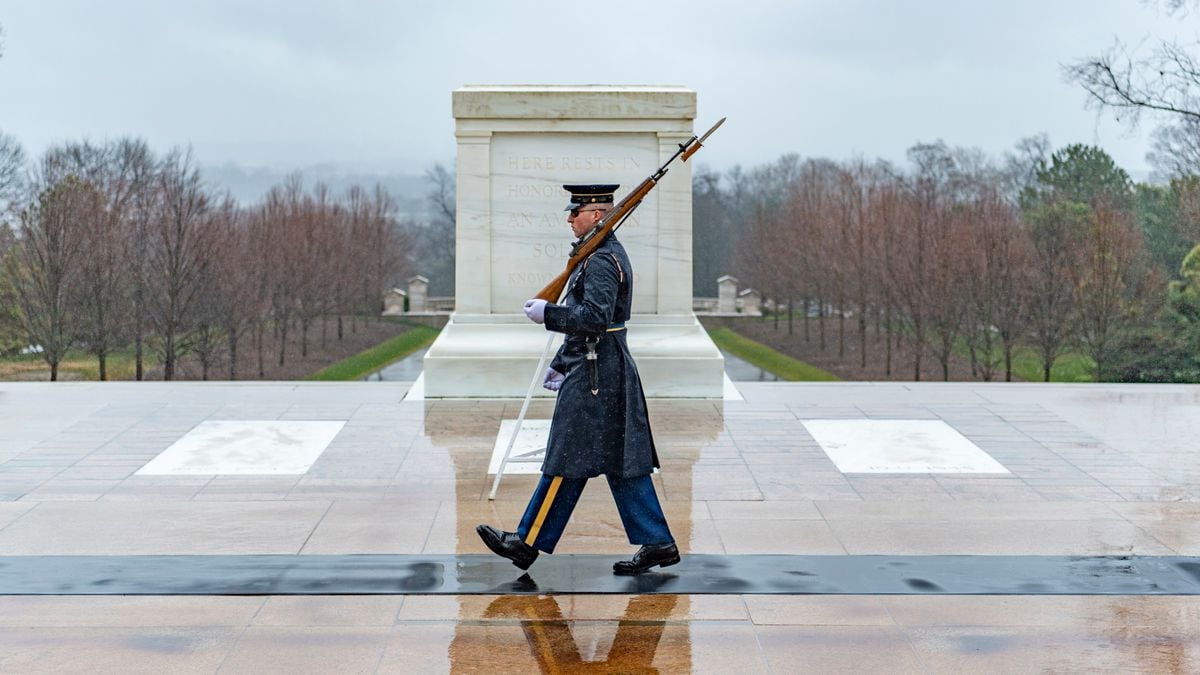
[(555, 497)]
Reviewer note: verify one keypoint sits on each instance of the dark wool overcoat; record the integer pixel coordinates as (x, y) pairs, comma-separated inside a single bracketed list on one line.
[(607, 432)]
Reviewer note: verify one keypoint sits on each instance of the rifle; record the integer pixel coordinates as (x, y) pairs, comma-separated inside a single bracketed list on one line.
[(584, 246)]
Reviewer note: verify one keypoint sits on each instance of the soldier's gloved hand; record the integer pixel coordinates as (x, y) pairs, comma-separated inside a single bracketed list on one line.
[(553, 380), (535, 310)]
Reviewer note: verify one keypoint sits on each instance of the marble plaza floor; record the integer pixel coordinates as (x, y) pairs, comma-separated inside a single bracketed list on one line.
[(1072, 472)]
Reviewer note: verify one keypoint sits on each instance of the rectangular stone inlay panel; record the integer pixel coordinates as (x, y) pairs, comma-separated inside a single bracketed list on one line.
[(275, 447), (528, 451), (899, 446)]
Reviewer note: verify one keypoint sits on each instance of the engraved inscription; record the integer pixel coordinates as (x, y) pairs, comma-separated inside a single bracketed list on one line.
[(520, 220), (530, 239), (526, 163), (551, 250), (526, 191), (530, 163), (529, 279)]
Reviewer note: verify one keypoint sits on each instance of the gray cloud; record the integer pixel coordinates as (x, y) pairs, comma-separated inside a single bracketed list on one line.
[(367, 84)]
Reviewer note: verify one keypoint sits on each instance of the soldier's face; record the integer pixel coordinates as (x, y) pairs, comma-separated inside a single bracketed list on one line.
[(583, 219)]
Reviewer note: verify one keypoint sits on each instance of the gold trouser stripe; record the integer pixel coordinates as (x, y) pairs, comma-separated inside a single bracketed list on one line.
[(541, 516)]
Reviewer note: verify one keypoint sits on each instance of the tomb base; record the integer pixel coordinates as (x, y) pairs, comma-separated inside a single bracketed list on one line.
[(494, 356)]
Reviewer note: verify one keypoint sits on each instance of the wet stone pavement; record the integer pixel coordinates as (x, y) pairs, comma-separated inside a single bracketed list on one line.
[(1103, 479)]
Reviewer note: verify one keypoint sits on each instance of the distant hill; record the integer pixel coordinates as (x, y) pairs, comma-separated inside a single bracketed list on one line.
[(249, 184)]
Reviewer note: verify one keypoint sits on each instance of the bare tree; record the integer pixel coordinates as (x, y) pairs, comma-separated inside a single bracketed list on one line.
[(435, 239), (1021, 166), (386, 259), (859, 186), (441, 193), (358, 246), (238, 278), (342, 251), (1164, 82), (376, 246), (314, 221), (12, 333), (12, 167), (12, 164), (263, 223), (949, 248), (845, 206), (143, 215), (226, 297), (1053, 229), (1175, 149), (7, 239), (928, 190), (801, 264), (285, 257), (206, 325), (1109, 275), (998, 285), (713, 232), (119, 171), (762, 203), (887, 208), (179, 253), (963, 307), (45, 268)]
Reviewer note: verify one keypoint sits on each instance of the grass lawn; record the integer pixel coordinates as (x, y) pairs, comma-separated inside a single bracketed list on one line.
[(77, 365), (1027, 364), (785, 367), (364, 363), (1069, 367)]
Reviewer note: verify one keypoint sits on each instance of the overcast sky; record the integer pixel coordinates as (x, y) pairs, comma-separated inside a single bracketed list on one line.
[(366, 84)]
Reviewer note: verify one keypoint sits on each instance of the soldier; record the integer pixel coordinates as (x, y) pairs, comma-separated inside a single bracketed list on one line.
[(600, 425)]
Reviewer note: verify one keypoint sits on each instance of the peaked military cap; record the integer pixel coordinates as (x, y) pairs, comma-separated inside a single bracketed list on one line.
[(582, 195)]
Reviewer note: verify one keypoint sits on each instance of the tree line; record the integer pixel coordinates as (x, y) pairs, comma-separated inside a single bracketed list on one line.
[(112, 246), (960, 253)]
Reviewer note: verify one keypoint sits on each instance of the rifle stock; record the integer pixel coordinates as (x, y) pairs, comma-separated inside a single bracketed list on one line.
[(554, 290), (590, 242)]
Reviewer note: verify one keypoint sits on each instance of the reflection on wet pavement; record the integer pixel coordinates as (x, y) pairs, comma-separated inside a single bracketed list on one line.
[(632, 644), (740, 370), (406, 369)]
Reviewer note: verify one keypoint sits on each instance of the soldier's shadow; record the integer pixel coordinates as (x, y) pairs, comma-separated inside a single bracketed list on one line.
[(634, 648)]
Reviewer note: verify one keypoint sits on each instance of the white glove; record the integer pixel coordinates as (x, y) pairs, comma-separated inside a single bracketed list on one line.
[(553, 380), (535, 310)]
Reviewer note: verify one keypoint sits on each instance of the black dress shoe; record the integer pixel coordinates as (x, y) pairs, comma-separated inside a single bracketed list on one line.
[(648, 556), (508, 545)]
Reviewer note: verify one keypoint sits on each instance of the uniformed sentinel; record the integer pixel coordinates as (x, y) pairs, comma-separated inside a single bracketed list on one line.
[(600, 424)]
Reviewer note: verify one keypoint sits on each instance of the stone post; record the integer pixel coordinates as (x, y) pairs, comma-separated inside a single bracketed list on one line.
[(393, 302), (751, 302), (727, 295), (418, 290)]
